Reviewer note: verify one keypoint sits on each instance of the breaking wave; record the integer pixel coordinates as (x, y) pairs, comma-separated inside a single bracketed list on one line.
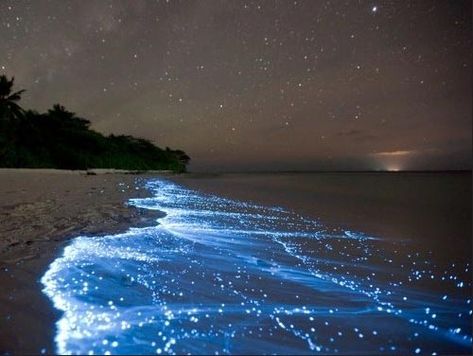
[(222, 276)]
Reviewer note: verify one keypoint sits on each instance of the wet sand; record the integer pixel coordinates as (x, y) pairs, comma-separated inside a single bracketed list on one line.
[(40, 211)]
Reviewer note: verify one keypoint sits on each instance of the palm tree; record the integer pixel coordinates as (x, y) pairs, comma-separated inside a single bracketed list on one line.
[(68, 118), (8, 100)]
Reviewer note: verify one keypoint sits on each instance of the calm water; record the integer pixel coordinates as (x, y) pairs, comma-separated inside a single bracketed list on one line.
[(217, 275)]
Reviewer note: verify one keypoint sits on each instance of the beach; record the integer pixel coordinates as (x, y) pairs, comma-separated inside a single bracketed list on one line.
[(235, 263), (40, 211), (236, 178)]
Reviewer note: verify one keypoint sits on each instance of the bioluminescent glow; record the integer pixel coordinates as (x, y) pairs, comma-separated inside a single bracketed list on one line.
[(222, 276)]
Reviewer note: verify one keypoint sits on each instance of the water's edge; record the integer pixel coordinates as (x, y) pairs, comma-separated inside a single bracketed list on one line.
[(303, 288)]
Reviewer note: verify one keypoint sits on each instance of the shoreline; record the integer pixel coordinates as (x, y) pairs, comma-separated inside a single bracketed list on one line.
[(96, 205), (273, 250), (40, 212)]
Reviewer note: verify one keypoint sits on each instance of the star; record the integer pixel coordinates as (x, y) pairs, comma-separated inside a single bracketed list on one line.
[(247, 63)]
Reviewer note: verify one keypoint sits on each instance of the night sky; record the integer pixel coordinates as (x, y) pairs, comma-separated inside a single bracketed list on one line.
[(257, 85)]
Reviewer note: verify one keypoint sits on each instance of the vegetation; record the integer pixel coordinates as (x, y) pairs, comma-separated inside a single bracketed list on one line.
[(60, 139)]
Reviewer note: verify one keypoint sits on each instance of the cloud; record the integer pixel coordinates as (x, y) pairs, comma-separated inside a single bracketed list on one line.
[(399, 153)]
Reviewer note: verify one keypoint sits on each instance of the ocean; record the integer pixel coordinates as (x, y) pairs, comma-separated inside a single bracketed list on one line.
[(276, 263)]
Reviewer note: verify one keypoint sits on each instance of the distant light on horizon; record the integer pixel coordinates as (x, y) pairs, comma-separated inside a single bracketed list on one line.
[(393, 161), (393, 166)]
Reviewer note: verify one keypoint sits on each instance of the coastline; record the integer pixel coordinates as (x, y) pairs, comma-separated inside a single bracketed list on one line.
[(118, 293), (40, 212)]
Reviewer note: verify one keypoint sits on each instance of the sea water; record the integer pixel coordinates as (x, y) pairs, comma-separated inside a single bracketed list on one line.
[(220, 276)]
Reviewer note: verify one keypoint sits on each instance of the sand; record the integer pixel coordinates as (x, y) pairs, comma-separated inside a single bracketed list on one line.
[(40, 211)]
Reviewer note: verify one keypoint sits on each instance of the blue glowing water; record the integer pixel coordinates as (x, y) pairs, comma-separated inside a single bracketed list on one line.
[(222, 276)]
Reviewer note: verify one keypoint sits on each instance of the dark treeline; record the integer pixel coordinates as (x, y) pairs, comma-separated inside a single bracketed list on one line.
[(60, 139)]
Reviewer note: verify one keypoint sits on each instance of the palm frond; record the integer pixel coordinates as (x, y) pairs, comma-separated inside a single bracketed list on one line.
[(16, 95), (15, 110)]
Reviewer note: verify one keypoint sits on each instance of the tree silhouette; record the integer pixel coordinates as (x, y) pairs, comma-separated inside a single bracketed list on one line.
[(182, 157), (68, 118), (60, 139), (9, 109)]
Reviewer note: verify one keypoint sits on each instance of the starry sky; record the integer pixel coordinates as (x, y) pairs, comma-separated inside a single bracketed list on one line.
[(257, 85)]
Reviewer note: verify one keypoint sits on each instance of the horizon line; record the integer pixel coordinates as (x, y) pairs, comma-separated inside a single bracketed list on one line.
[(339, 171)]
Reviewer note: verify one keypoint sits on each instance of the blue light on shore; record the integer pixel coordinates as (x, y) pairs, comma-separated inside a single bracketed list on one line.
[(220, 276)]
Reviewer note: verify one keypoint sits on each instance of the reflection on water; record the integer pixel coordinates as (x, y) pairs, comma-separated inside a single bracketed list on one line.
[(222, 276)]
